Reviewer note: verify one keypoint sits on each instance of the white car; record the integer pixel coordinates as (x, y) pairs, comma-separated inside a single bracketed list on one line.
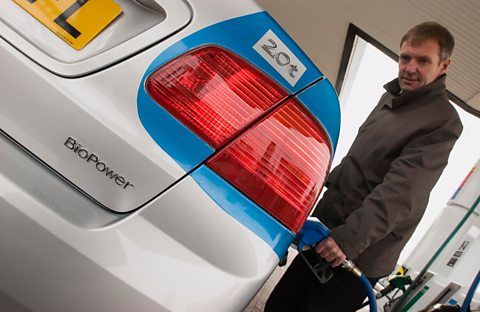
[(155, 155)]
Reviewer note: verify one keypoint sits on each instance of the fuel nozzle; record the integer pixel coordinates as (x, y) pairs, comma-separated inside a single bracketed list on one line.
[(312, 232), (396, 282)]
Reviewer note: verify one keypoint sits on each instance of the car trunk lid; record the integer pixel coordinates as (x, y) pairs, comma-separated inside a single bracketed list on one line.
[(108, 31)]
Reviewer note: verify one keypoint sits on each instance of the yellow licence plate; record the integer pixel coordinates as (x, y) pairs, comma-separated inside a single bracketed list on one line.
[(77, 22)]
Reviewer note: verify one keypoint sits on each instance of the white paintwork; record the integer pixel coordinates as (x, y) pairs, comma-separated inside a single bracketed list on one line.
[(181, 253), (62, 251), (104, 119), (137, 28)]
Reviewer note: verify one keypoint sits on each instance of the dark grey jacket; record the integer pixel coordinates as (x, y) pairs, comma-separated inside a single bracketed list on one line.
[(378, 193)]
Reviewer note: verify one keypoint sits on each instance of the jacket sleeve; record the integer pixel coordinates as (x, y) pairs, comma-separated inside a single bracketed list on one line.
[(400, 200)]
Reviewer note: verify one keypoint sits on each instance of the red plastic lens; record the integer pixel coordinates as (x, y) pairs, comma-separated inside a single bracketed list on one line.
[(213, 92), (281, 163)]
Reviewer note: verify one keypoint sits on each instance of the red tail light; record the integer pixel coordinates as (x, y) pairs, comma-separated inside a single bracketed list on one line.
[(280, 162), (213, 92)]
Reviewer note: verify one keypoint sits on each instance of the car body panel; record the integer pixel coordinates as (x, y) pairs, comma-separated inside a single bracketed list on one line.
[(102, 121), (181, 239), (142, 24), (244, 210), (175, 248)]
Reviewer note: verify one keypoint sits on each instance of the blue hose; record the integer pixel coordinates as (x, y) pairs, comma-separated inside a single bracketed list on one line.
[(372, 301), (471, 291)]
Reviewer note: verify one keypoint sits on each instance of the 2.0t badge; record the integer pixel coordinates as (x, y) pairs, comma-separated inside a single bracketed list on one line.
[(277, 54)]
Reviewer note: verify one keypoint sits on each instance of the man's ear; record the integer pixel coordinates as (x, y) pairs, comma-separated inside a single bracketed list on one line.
[(444, 65)]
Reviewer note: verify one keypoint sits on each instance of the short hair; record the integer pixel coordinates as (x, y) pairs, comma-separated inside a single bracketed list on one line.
[(431, 30)]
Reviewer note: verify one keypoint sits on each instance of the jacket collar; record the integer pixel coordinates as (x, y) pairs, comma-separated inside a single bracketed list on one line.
[(401, 97)]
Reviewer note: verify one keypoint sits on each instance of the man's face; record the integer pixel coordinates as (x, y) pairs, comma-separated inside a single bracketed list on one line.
[(420, 65)]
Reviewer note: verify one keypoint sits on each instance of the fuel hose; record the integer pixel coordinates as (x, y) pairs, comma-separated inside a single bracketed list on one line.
[(351, 267)]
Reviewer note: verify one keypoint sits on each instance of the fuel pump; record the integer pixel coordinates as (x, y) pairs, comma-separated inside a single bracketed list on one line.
[(443, 280)]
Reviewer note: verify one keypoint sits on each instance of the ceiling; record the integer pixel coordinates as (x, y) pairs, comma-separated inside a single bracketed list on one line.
[(320, 28)]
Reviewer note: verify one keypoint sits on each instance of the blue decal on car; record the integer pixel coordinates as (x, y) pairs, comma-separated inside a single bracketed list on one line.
[(244, 210), (239, 35), (322, 101)]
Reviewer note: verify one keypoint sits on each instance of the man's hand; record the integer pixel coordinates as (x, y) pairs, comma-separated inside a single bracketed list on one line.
[(330, 251)]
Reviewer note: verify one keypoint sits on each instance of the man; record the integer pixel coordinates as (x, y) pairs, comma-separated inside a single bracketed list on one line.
[(378, 193)]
